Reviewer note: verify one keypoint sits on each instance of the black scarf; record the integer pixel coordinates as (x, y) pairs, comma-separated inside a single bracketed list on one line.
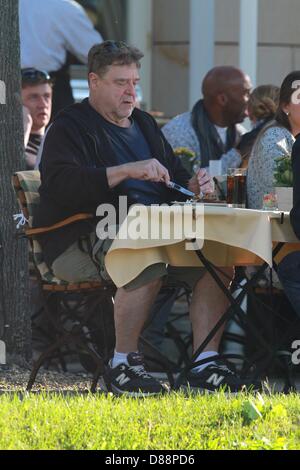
[(211, 145)]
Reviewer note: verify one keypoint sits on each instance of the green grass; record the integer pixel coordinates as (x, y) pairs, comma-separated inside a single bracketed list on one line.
[(170, 422)]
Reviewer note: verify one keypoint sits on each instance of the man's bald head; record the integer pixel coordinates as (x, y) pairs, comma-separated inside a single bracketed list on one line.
[(220, 79), (226, 92)]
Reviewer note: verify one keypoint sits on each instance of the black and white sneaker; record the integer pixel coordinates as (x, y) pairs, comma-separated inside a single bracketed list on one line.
[(132, 379), (216, 377)]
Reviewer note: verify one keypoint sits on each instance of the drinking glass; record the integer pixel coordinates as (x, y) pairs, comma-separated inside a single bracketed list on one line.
[(236, 187)]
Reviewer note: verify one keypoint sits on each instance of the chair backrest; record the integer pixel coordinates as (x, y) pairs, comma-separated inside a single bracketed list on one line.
[(26, 185)]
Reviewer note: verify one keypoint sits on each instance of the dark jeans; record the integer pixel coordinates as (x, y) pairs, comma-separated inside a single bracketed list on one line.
[(289, 275)]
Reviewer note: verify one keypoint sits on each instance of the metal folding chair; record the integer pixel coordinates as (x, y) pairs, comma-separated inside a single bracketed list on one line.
[(78, 317)]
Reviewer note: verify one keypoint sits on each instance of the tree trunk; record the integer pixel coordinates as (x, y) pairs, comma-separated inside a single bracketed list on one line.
[(15, 328)]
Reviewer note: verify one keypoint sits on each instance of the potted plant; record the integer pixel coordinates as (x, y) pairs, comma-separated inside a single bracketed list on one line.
[(187, 157), (283, 182)]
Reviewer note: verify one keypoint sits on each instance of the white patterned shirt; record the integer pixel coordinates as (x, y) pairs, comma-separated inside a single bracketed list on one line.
[(180, 133), (275, 142)]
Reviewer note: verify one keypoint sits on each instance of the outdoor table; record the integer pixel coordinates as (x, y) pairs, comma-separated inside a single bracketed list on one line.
[(232, 237)]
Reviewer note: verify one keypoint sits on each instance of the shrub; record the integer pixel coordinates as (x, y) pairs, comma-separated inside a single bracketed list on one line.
[(283, 174)]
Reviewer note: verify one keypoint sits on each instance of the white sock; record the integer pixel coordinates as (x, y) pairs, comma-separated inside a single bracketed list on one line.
[(204, 355), (119, 358)]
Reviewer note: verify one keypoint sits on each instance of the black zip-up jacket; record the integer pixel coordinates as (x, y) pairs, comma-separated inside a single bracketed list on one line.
[(295, 212), (75, 156)]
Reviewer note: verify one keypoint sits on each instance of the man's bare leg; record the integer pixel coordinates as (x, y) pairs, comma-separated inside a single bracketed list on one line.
[(207, 306), (131, 311)]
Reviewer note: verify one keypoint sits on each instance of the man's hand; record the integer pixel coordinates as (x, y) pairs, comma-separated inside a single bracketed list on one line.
[(201, 182), (146, 170), (27, 124)]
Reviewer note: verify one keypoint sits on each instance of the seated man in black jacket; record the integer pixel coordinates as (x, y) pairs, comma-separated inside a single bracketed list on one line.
[(289, 267), (93, 153)]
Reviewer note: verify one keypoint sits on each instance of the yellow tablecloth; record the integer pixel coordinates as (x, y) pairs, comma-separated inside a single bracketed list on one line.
[(232, 237)]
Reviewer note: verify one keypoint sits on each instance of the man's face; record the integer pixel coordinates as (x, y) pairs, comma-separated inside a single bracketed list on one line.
[(238, 92), (38, 99), (114, 93)]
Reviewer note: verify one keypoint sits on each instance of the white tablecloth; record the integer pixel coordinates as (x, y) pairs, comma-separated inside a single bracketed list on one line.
[(232, 237)]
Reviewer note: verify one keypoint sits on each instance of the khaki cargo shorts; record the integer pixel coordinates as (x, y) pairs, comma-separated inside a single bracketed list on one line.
[(84, 260)]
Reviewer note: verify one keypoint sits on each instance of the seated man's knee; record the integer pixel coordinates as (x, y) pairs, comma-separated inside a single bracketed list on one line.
[(154, 284), (151, 278)]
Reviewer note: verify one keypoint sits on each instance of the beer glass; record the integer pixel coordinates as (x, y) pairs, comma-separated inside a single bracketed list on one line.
[(236, 187)]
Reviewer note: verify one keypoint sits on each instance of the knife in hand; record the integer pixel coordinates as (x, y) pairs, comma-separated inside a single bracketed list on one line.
[(179, 188)]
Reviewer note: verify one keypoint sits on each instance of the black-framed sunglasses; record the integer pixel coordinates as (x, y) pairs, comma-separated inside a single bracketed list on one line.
[(31, 75), (114, 46)]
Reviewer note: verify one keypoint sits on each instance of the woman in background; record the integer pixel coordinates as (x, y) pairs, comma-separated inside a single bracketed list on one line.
[(262, 106), (275, 140)]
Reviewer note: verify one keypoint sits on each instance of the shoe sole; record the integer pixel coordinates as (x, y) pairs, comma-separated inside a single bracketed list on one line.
[(194, 390), (116, 391), (202, 391)]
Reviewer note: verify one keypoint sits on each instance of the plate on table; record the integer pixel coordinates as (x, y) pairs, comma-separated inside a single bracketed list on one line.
[(206, 202), (217, 203)]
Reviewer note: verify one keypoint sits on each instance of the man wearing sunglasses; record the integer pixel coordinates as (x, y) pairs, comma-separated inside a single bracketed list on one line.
[(50, 32), (93, 153), (37, 102)]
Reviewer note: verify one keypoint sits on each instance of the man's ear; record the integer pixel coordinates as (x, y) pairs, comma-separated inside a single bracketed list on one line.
[(222, 99), (93, 80)]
